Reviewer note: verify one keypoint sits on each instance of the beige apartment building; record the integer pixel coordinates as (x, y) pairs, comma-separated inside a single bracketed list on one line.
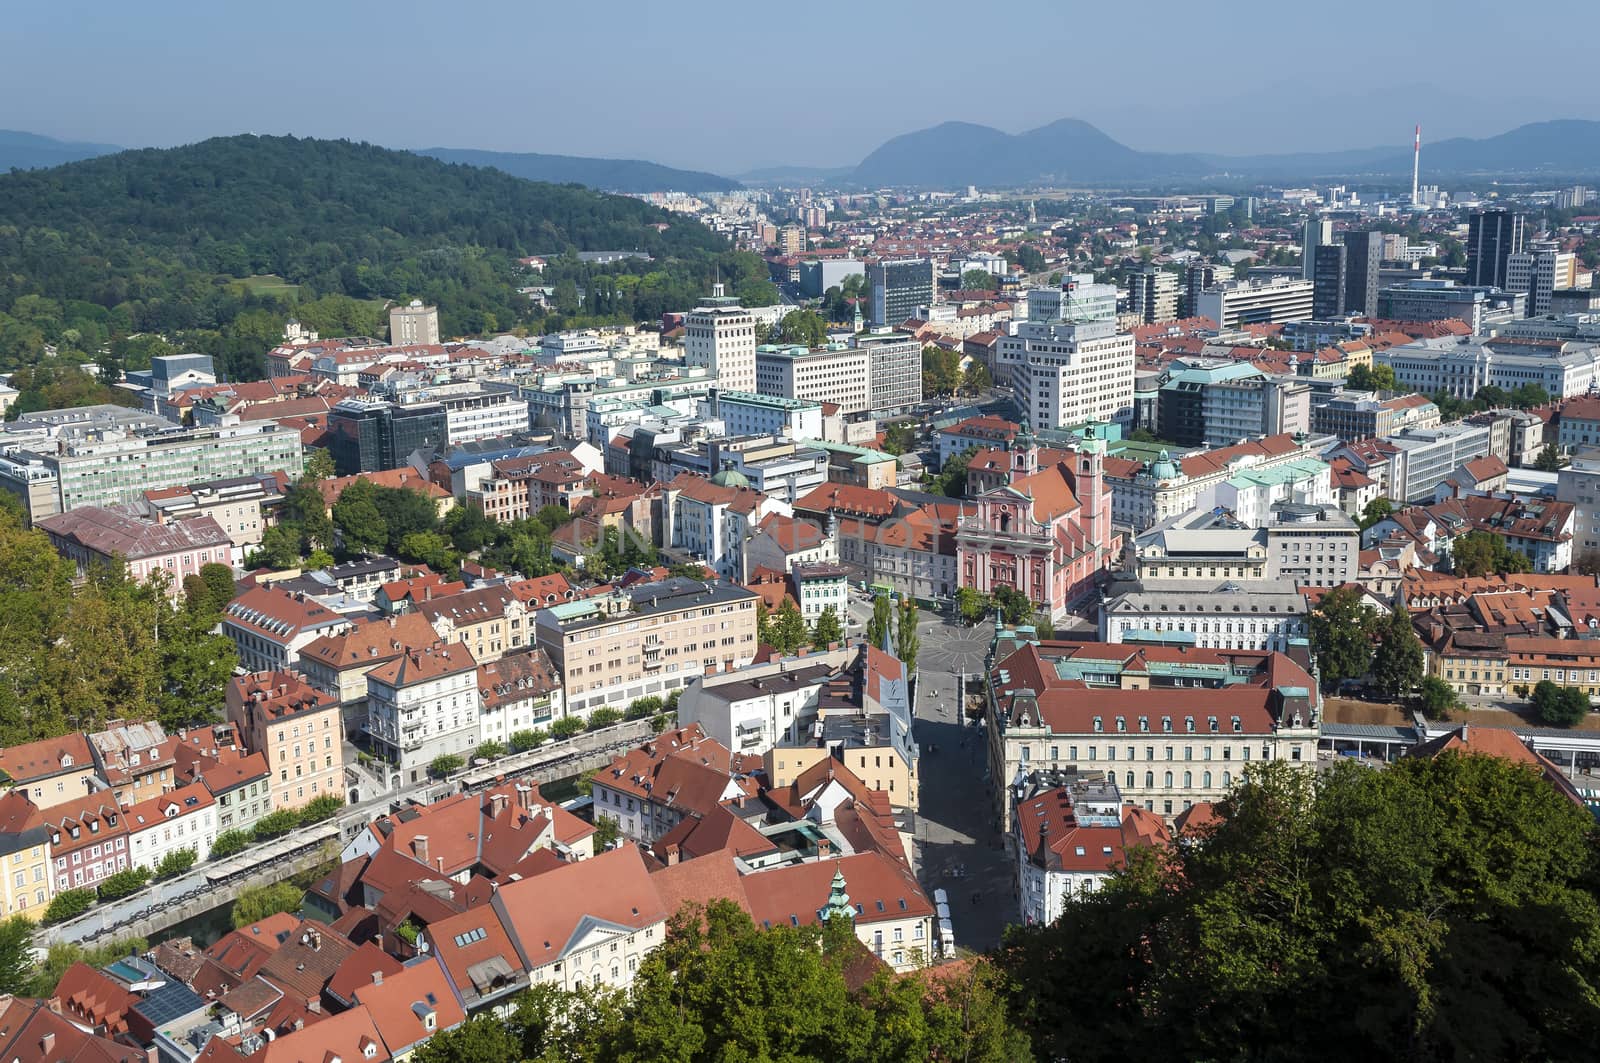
[(650, 638), (491, 621), (51, 771), (297, 727)]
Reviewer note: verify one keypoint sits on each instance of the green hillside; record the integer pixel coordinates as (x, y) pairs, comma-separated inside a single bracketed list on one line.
[(157, 241)]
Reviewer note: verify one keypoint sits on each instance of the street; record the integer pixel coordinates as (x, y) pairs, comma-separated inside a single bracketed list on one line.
[(960, 849)]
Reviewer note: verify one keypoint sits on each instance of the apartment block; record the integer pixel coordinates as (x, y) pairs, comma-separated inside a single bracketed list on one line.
[(297, 728), (648, 638)]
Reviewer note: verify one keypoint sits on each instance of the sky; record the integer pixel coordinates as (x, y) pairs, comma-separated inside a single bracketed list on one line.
[(732, 86)]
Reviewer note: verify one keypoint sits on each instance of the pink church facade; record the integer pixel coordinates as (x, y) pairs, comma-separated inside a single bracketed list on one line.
[(1047, 532)]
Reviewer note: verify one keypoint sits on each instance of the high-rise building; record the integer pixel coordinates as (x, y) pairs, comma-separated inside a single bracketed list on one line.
[(835, 373), (1318, 233), (1493, 236), (894, 369), (1363, 253), (721, 336), (792, 240), (1153, 295), (369, 435), (1539, 271), (898, 288), (1068, 363), (1197, 279), (413, 324), (1237, 303), (1330, 280)]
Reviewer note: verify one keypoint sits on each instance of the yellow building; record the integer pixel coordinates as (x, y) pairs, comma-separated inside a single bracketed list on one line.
[(51, 771), (25, 884)]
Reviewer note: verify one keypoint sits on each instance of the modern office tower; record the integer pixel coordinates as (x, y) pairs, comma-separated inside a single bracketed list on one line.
[(1318, 233), (894, 369), (365, 435), (898, 288), (1237, 303), (1330, 281), (1067, 362), (1197, 279), (1437, 300), (721, 336), (1153, 295), (413, 324), (836, 373), (1493, 236), (1363, 253), (1539, 271)]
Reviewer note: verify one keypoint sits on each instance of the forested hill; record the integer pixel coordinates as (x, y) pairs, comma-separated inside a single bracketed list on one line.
[(612, 175), (159, 241)]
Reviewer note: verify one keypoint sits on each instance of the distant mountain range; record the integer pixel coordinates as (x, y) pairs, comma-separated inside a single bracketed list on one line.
[(606, 175), (1071, 151), (30, 151)]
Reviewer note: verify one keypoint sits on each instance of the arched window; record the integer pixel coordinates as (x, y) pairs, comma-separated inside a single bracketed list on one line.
[(1130, 780), (1205, 780), (1167, 781), (1188, 780), (1227, 779), (1149, 780)]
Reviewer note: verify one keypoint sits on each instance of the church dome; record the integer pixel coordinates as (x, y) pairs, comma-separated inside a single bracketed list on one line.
[(731, 477), (1164, 468)]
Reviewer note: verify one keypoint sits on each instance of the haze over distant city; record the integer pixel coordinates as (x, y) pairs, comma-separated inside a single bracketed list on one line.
[(728, 86)]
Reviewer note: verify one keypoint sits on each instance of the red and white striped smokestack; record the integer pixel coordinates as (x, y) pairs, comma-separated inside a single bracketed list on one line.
[(1416, 163)]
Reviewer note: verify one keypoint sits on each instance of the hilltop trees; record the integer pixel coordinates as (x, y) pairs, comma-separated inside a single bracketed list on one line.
[(1448, 904)]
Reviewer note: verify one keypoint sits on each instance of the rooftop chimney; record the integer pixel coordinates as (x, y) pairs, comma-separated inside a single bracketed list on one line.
[(377, 977), (419, 847)]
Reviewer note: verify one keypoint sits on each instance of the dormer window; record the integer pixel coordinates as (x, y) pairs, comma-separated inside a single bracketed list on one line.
[(1188, 724), (66, 760), (1122, 724), (1211, 721), (1238, 725), (1144, 725), (1166, 725), (1099, 724)]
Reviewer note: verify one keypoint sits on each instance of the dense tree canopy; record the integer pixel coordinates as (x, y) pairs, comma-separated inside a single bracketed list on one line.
[(1438, 909), (1341, 635), (719, 988), (1481, 553), (213, 245), (109, 648)]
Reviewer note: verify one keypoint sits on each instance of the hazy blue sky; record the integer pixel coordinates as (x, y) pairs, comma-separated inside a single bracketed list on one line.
[(727, 86)]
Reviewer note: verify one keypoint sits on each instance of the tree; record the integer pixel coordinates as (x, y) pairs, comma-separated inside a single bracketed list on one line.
[(977, 280), (640, 708), (760, 292), (1481, 553), (16, 954), (606, 831), (428, 548), (322, 807), (801, 327), (907, 641), (951, 480), (763, 623), (971, 604), (319, 464), (1341, 636), (827, 629), (120, 884), (878, 627), (899, 437), (1359, 378), (1560, 706), (318, 559), (1043, 626), (941, 371), (1397, 659), (788, 629), (484, 1039), (1015, 607), (1376, 510), (522, 741), (176, 863), (360, 526), (1549, 459), (1437, 698), (566, 727), (975, 377), (445, 764), (1382, 378), (1449, 900), (603, 717), (68, 904), (405, 512), (230, 842), (259, 902), (275, 824)]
